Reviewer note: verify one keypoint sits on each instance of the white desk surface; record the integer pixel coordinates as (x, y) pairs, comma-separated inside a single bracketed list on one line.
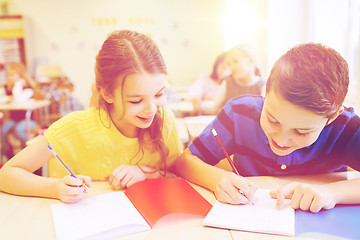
[(182, 131), (30, 217), (180, 108), (30, 105), (196, 124)]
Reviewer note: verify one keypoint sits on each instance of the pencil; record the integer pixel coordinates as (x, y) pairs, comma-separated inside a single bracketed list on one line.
[(227, 157), (224, 150), (57, 156)]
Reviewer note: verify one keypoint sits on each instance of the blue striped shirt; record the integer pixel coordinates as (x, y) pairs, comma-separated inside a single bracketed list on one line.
[(238, 126)]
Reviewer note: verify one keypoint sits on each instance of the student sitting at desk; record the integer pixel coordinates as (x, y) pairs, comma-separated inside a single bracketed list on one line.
[(245, 79), (127, 137), (207, 86), (21, 87), (300, 127)]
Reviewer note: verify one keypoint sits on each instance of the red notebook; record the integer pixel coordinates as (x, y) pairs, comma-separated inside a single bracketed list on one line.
[(157, 198), (119, 213)]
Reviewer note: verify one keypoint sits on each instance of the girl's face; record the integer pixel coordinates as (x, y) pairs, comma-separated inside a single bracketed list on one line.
[(13, 76), (223, 71), (239, 65), (134, 106), (289, 127)]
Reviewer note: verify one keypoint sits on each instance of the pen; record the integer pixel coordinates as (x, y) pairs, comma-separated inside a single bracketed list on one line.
[(227, 157), (64, 165)]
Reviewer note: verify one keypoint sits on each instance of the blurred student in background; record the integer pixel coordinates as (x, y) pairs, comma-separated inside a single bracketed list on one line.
[(245, 79), (21, 87), (207, 86)]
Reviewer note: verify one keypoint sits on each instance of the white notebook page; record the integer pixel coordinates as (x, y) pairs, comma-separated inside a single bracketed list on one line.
[(261, 217), (100, 217)]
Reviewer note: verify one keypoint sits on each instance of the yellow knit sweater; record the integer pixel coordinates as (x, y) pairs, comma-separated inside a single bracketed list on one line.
[(93, 146)]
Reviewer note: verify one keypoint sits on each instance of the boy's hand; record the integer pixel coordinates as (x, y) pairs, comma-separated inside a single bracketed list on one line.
[(71, 190), (307, 197), (124, 176), (230, 187)]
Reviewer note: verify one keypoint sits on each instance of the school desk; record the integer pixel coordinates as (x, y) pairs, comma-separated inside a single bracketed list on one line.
[(30, 217), (196, 124), (181, 108), (28, 107), (190, 127), (182, 131)]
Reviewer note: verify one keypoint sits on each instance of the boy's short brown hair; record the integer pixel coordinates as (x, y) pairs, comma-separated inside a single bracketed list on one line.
[(311, 76)]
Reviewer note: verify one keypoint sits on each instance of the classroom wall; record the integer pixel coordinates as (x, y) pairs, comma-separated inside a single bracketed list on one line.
[(189, 33), (70, 33), (334, 23)]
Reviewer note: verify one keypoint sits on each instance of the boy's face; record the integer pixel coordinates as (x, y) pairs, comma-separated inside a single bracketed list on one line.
[(289, 127)]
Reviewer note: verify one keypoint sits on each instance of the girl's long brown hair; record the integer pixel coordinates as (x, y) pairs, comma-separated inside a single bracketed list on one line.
[(124, 53)]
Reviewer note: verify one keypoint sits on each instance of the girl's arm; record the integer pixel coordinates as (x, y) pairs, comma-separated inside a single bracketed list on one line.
[(224, 184), (16, 176)]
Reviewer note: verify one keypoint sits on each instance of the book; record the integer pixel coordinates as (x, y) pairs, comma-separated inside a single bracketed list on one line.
[(262, 217), (119, 213)]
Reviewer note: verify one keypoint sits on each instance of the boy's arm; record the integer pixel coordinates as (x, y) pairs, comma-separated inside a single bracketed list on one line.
[(224, 184), (194, 170), (311, 197), (347, 192)]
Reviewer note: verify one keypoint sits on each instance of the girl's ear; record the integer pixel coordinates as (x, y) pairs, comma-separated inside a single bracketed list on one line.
[(338, 112), (106, 96)]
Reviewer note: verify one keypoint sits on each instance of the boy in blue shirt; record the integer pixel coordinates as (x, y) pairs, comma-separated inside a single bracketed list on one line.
[(300, 127)]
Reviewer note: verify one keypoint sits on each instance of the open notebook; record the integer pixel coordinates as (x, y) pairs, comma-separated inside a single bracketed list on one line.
[(261, 217), (343, 221), (119, 213)]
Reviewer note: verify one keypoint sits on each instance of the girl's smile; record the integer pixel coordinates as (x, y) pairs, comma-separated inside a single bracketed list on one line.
[(148, 119), (136, 102)]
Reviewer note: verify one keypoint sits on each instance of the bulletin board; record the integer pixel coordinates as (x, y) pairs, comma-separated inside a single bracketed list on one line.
[(12, 39)]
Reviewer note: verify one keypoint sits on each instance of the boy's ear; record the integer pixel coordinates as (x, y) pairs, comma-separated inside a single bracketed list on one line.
[(338, 112), (106, 96)]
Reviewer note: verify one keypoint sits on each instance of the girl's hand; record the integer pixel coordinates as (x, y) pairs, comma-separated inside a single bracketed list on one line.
[(124, 176), (234, 189), (71, 190), (307, 197)]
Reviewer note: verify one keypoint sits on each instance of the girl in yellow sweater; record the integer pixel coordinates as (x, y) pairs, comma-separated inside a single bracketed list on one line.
[(124, 137)]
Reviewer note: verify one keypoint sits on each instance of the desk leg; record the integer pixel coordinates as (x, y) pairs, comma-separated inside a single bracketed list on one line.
[(45, 170), (1, 138), (27, 123), (46, 117), (43, 117)]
